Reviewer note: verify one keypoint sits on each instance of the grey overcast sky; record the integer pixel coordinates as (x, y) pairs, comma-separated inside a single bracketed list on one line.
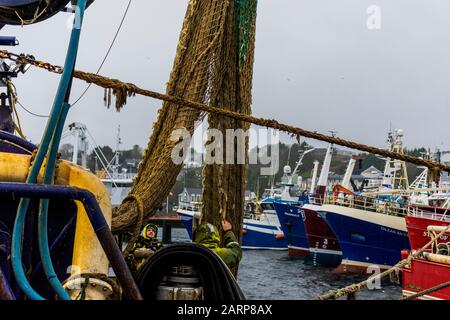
[(317, 66)]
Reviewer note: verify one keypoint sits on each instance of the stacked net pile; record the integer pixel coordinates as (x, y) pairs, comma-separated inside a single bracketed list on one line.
[(213, 65)]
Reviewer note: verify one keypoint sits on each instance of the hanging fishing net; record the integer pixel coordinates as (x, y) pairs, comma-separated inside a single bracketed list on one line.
[(213, 65)]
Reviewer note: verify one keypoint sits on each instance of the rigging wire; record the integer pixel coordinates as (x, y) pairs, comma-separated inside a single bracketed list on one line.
[(107, 53), (30, 112)]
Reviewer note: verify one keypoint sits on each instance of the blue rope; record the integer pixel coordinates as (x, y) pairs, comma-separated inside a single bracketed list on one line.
[(44, 249), (56, 121)]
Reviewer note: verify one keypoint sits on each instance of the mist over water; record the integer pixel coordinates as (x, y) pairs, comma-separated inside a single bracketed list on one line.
[(272, 275)]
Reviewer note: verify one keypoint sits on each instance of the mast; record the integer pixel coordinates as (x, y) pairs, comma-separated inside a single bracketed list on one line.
[(78, 132), (314, 177), (348, 173), (395, 173), (323, 178), (75, 146), (119, 142), (300, 162)]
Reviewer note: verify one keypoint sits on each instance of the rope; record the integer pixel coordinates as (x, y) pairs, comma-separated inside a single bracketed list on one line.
[(18, 129), (37, 15), (357, 287), (427, 291), (12, 92), (107, 53), (31, 13), (140, 220), (123, 90)]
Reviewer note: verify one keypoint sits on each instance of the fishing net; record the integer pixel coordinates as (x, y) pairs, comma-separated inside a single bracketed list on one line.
[(213, 65), (34, 11)]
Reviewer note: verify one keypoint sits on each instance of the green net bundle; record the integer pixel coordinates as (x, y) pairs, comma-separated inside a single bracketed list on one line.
[(213, 65)]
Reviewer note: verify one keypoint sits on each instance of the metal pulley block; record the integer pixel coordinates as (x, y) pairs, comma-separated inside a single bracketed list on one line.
[(89, 288), (181, 284)]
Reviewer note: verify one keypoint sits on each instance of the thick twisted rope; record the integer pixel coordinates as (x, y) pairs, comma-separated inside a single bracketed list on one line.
[(123, 90), (140, 221)]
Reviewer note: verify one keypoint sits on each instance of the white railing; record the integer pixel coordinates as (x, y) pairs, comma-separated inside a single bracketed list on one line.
[(189, 206), (432, 215), (119, 176), (367, 204), (124, 176), (315, 200)]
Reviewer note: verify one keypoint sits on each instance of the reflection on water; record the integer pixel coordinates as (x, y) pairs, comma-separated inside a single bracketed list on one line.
[(272, 275)]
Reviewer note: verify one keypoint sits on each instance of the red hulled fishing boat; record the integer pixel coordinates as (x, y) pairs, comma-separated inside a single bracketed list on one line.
[(432, 268)]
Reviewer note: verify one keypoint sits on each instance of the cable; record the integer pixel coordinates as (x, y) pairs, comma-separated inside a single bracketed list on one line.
[(52, 131), (32, 113), (107, 53)]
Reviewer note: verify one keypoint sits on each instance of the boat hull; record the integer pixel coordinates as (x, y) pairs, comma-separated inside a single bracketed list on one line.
[(369, 241), (422, 275), (323, 244), (417, 230), (292, 222)]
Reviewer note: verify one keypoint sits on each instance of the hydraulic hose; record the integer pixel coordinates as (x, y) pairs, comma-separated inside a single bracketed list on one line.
[(44, 249), (22, 144), (50, 132), (96, 218)]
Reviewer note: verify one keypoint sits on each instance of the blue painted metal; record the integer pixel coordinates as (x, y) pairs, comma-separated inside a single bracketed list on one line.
[(255, 239), (366, 242), (55, 122), (250, 224), (8, 41), (187, 222), (15, 140), (17, 3), (98, 222), (291, 218)]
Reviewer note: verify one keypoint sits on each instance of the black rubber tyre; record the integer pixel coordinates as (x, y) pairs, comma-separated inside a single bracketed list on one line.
[(217, 281)]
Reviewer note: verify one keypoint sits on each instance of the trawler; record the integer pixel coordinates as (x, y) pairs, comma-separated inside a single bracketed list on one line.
[(262, 228), (371, 230)]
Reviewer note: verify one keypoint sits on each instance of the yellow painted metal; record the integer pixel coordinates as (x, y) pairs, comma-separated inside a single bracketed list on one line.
[(437, 229), (439, 258), (88, 255)]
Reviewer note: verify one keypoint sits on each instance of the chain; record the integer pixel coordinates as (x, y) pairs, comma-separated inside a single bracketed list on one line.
[(29, 59)]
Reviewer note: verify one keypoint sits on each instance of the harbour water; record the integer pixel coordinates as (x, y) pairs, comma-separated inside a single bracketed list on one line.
[(272, 275)]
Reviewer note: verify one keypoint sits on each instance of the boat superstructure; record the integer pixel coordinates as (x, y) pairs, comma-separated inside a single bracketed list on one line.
[(262, 227)]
